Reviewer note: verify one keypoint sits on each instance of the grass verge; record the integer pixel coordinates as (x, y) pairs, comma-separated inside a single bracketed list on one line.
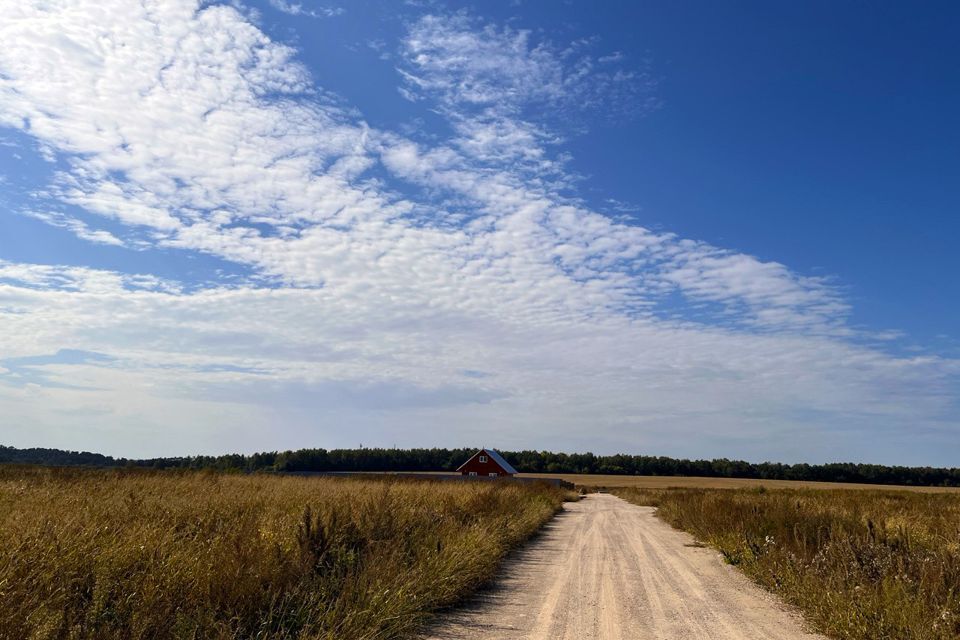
[(860, 565), (108, 554)]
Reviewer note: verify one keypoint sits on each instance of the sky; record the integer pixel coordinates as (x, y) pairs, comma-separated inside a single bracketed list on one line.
[(691, 229)]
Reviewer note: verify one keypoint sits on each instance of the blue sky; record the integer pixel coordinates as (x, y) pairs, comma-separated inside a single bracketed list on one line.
[(691, 229)]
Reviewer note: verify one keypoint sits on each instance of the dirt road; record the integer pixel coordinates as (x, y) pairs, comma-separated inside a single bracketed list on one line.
[(608, 570)]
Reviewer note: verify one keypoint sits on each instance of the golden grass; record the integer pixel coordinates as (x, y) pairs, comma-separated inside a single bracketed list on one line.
[(861, 565), (689, 482), (108, 554)]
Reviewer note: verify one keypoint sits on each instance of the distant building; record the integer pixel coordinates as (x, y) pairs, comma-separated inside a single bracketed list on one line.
[(486, 463)]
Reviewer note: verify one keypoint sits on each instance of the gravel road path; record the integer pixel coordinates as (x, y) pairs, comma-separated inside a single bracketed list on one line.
[(608, 570)]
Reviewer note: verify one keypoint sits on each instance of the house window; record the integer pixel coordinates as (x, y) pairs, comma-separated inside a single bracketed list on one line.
[(473, 473), (493, 474), (483, 458)]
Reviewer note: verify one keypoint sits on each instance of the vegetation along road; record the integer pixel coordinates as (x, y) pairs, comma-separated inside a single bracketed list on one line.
[(608, 570)]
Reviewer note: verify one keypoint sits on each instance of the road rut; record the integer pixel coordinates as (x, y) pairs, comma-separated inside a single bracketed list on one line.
[(605, 569)]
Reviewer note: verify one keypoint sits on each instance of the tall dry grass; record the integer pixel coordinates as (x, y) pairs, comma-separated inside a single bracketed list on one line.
[(861, 565), (106, 554)]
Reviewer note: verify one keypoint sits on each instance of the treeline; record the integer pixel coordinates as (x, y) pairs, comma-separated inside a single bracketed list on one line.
[(54, 457), (524, 461)]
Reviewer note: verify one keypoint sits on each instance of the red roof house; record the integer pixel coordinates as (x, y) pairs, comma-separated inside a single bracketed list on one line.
[(486, 463)]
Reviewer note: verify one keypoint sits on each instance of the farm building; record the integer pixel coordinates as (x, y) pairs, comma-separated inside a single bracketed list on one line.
[(486, 463)]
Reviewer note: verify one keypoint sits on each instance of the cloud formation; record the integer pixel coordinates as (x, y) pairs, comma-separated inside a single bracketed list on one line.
[(297, 9), (388, 266), (466, 62)]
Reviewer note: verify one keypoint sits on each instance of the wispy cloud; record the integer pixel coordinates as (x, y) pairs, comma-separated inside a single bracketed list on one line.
[(42, 370), (62, 278), (78, 227), (465, 62), (311, 10), (193, 352)]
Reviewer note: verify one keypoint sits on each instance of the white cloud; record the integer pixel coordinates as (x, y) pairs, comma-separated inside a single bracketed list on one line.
[(313, 11), (78, 227), (616, 56), (193, 130), (80, 279), (463, 62), (288, 350)]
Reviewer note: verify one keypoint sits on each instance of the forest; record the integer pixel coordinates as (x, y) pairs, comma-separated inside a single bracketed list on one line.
[(529, 461)]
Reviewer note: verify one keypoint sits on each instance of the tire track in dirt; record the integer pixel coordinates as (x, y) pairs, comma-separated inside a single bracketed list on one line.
[(608, 570)]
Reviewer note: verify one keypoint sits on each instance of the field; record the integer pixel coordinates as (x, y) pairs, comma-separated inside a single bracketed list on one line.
[(669, 482), (110, 554), (860, 565)]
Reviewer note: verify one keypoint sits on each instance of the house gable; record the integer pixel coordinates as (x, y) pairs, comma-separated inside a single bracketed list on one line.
[(486, 463)]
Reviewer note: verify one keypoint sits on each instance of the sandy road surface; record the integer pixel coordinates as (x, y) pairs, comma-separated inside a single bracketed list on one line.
[(608, 570)]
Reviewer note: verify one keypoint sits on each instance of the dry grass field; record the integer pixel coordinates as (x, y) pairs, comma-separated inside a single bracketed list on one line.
[(861, 565), (685, 482), (111, 554)]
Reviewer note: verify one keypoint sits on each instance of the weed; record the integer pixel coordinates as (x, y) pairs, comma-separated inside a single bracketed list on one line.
[(111, 554), (861, 565)]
